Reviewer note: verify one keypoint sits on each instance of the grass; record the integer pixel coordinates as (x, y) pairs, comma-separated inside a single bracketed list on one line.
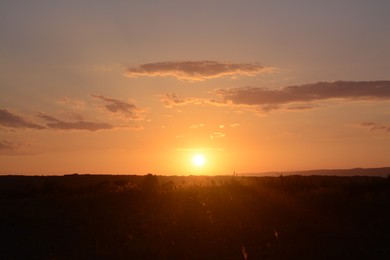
[(158, 217)]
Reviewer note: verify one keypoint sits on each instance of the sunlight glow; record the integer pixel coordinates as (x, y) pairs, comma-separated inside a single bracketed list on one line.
[(198, 160)]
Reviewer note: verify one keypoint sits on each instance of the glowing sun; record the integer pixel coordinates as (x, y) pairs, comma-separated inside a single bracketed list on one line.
[(198, 160)]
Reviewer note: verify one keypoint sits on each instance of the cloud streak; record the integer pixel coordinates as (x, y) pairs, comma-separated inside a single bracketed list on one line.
[(6, 145), (14, 148), (126, 109), (196, 70), (350, 90), (293, 98), (217, 135), (55, 123), (376, 127), (9, 119), (74, 103), (171, 100)]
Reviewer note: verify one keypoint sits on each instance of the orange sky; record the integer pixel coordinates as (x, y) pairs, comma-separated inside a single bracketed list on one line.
[(143, 86)]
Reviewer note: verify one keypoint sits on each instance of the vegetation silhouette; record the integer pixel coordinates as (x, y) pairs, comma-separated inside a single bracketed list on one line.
[(150, 183), (194, 217)]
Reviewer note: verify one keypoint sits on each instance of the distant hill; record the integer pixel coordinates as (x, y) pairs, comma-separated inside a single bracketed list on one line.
[(383, 172)]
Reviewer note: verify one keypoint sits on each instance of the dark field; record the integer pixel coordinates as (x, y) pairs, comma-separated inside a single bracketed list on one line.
[(150, 217)]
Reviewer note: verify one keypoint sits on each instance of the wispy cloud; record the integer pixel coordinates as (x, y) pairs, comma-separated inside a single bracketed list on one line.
[(6, 145), (350, 90), (73, 103), (217, 135), (15, 148), (55, 123), (195, 126), (376, 127), (297, 98), (301, 107), (127, 109), (196, 70), (75, 120), (171, 100), (12, 120)]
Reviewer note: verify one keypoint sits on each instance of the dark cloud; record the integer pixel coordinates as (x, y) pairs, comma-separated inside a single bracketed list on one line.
[(55, 123), (296, 98), (127, 109), (196, 70), (9, 119), (376, 127), (365, 90)]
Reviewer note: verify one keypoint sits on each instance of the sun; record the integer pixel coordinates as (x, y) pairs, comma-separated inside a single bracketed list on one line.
[(198, 160)]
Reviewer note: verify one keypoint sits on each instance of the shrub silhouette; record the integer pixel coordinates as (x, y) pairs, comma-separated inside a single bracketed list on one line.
[(150, 183)]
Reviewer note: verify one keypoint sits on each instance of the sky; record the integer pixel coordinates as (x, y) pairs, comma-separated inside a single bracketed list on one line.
[(136, 87)]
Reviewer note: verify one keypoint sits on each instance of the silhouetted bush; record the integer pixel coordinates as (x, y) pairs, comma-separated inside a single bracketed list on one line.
[(150, 183)]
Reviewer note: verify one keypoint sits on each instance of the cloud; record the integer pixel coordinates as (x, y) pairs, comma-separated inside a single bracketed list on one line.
[(376, 127), (171, 99), (6, 145), (302, 107), (296, 98), (55, 123), (127, 109), (196, 70), (73, 103), (7, 148), (14, 148), (350, 90), (217, 135), (9, 119), (195, 126)]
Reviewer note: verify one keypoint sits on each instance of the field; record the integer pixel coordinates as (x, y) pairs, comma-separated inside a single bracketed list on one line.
[(194, 217)]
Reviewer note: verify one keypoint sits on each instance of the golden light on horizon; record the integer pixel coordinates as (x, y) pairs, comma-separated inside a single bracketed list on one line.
[(199, 161)]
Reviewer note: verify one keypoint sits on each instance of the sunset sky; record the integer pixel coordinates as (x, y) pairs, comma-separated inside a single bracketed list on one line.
[(144, 86)]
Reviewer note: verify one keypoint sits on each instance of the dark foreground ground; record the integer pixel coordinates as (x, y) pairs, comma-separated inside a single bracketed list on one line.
[(149, 217)]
